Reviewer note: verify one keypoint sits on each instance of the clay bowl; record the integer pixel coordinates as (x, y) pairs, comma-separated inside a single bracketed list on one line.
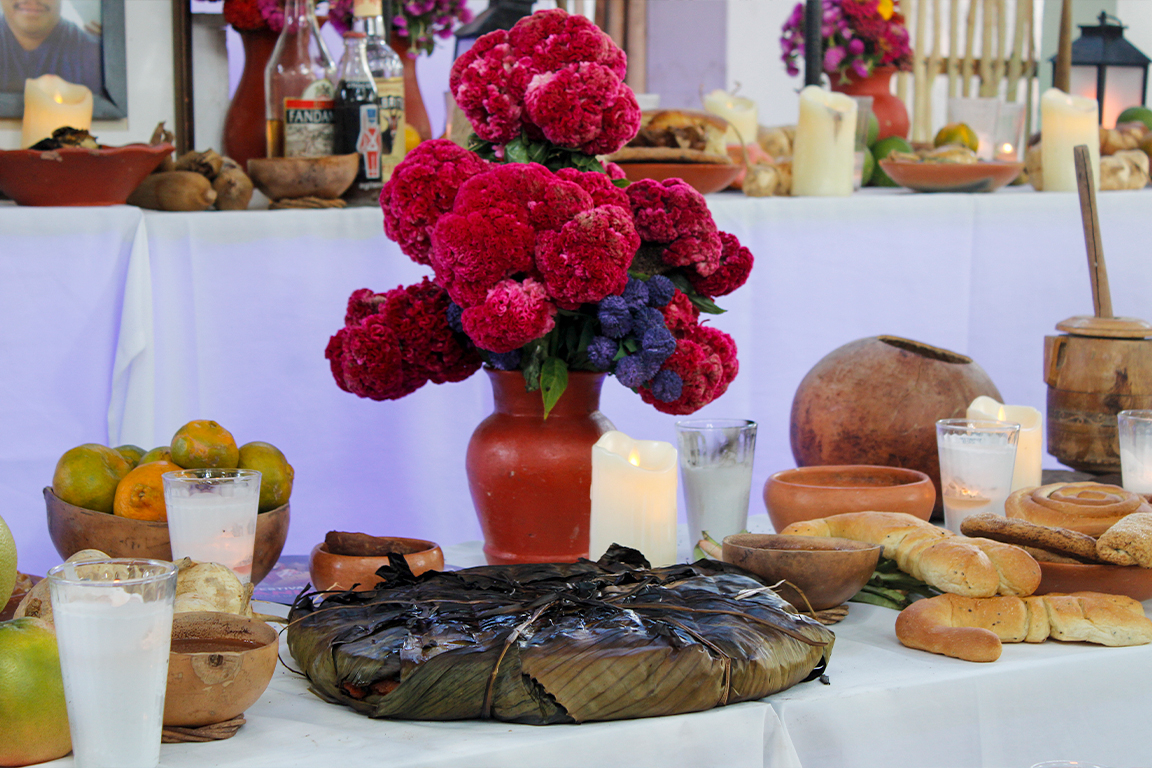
[(952, 177), (1130, 580), (219, 666), (806, 493), (77, 176), (329, 571), (326, 177), (705, 178), (827, 570), (73, 528)]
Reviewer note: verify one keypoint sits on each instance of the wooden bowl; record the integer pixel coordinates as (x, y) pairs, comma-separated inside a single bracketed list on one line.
[(807, 493), (77, 176), (952, 177), (826, 570), (219, 666), (329, 571), (1130, 580), (326, 177), (73, 528), (705, 178)]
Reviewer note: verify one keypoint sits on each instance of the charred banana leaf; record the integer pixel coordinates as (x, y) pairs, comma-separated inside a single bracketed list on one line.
[(554, 643)]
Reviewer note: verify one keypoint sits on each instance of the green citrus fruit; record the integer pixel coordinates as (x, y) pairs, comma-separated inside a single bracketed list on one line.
[(204, 444), (880, 151), (33, 717), (87, 475), (161, 453), (957, 133), (1136, 114), (873, 129), (131, 453), (869, 168), (7, 562), (276, 474)]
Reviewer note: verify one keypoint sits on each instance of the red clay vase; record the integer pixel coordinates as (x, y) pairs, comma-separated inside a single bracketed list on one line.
[(530, 477), (889, 109), (415, 113), (244, 124)]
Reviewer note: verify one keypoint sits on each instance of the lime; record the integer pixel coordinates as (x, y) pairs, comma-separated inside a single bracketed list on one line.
[(33, 718), (873, 129), (7, 562), (86, 476), (1136, 114), (131, 453), (276, 474), (869, 168), (160, 453), (880, 151)]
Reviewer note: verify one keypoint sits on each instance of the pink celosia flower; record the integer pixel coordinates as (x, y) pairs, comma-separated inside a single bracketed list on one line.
[(680, 314), (735, 266), (613, 170), (418, 315), (422, 189), (705, 359), (362, 303), (366, 360), (552, 39), (512, 315), (489, 89), (475, 251), (589, 257), (673, 214), (598, 185), (583, 106)]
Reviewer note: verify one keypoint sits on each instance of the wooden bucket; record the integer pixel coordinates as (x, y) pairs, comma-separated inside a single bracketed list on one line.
[(1090, 380)]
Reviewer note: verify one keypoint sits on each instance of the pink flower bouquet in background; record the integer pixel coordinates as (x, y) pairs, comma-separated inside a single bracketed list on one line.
[(858, 35), (545, 260), (419, 22)]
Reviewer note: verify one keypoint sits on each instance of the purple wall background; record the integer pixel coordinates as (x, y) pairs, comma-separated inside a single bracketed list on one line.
[(687, 50)]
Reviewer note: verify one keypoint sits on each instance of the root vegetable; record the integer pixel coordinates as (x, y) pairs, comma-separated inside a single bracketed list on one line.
[(37, 603), (174, 191), (210, 587), (206, 163), (233, 187)]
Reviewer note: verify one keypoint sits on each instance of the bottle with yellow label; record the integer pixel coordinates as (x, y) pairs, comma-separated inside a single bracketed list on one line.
[(370, 17), (298, 87)]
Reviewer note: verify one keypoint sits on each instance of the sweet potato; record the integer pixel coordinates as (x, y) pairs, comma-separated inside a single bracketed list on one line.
[(174, 191), (233, 187)]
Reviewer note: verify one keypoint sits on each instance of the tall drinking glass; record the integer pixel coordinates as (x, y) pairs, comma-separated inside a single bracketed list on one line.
[(1135, 429), (976, 462), (212, 516), (114, 627), (863, 113), (716, 472)]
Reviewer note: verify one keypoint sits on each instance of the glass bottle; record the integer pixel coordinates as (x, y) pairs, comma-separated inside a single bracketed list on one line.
[(298, 84), (371, 18), (358, 117)]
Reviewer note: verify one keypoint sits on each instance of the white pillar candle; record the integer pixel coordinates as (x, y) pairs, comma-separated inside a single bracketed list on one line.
[(823, 153), (1065, 122), (633, 497), (1026, 473), (740, 112), (50, 102)]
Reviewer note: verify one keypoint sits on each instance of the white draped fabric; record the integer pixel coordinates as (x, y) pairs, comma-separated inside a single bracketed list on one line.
[(120, 326)]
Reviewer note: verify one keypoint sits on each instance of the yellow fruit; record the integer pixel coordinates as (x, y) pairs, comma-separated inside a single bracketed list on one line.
[(276, 474), (87, 475), (163, 453), (140, 495), (33, 718), (204, 444), (957, 133), (131, 453), (411, 138), (7, 562)]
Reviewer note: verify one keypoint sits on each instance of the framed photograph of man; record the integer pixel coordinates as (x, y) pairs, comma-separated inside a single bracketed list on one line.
[(82, 41)]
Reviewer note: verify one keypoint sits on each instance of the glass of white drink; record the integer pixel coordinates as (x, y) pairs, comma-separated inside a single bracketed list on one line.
[(716, 473), (1135, 429), (976, 461), (212, 516), (114, 627)]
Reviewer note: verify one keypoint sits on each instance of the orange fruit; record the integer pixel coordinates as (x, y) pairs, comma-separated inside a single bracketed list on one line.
[(140, 495), (957, 133), (276, 474), (87, 475), (33, 717), (200, 444), (131, 453), (163, 453)]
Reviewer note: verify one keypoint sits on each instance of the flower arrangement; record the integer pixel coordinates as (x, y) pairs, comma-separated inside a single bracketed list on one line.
[(419, 22), (859, 35), (545, 260)]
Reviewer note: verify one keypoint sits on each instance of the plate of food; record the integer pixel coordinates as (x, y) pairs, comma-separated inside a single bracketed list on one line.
[(683, 144), (949, 168)]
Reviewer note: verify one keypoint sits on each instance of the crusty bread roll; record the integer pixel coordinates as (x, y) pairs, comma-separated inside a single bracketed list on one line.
[(1022, 533), (677, 135), (1090, 508), (1129, 542), (957, 564), (973, 629)]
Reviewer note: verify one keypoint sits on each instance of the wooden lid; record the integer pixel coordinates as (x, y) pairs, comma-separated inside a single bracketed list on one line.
[(1106, 327)]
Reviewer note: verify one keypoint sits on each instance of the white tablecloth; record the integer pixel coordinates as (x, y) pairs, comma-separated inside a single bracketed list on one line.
[(242, 305)]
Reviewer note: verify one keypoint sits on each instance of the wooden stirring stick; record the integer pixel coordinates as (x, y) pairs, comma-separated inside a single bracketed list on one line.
[(1097, 271)]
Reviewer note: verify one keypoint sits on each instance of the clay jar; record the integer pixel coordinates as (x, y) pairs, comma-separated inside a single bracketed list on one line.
[(807, 493), (877, 400)]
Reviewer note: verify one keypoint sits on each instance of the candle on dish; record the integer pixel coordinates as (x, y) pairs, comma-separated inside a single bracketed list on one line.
[(1026, 473), (740, 112), (1065, 122), (633, 497), (50, 102), (823, 154), (1006, 152)]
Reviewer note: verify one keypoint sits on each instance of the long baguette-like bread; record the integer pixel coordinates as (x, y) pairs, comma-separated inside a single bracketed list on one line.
[(973, 629), (956, 564)]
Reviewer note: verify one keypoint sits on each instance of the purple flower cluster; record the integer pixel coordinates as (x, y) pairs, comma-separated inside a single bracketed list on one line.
[(419, 22), (857, 35), (634, 340)]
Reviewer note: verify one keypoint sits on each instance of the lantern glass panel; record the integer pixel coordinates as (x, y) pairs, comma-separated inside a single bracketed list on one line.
[(1123, 88)]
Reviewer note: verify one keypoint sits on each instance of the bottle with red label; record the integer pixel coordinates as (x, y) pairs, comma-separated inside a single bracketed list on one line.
[(358, 118), (298, 87)]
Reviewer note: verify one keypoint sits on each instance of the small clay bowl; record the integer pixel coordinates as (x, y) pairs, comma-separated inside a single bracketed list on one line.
[(329, 571), (808, 493), (826, 570), (219, 666), (73, 528), (1130, 580), (286, 177)]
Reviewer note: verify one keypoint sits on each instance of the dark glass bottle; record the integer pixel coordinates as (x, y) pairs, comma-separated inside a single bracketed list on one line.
[(358, 119)]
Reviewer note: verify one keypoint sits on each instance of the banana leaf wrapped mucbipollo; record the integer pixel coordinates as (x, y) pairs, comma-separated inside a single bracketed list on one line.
[(554, 643)]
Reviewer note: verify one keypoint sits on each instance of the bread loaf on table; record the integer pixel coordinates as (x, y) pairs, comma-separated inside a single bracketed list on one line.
[(956, 564), (1090, 508), (1129, 542), (973, 629)]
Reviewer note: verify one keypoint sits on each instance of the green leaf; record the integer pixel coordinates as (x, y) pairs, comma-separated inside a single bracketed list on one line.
[(531, 359), (703, 303), (553, 382), (621, 182), (515, 151)]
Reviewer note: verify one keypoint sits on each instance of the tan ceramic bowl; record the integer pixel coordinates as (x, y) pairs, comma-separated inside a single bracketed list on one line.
[(807, 493), (217, 684), (74, 528), (826, 570), (286, 177), (329, 571)]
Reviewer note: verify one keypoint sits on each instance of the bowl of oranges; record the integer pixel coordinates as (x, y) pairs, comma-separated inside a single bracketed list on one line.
[(112, 499)]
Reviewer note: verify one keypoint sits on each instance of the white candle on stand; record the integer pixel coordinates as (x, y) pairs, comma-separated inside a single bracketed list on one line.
[(740, 112), (50, 102), (1026, 473), (823, 153), (1066, 122), (633, 497)]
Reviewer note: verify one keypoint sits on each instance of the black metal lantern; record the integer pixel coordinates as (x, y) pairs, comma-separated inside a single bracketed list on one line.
[(500, 14), (1108, 68)]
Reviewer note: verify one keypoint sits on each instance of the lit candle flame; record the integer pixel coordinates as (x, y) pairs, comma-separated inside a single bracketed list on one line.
[(58, 97), (634, 458)]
